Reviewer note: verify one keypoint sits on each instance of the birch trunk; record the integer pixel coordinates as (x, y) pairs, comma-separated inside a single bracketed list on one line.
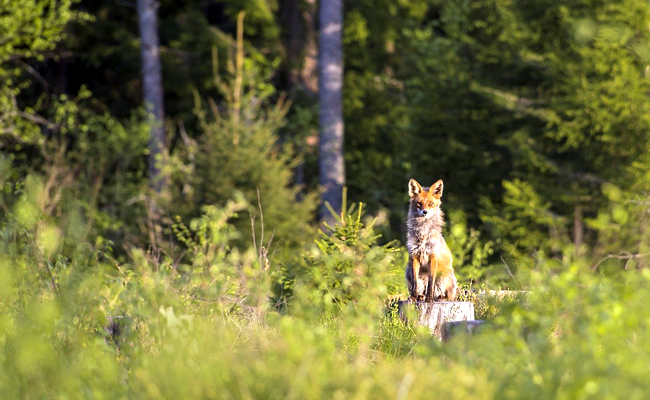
[(152, 86), (332, 169)]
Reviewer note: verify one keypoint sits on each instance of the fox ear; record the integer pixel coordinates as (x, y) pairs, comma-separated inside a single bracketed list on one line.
[(437, 189), (414, 188)]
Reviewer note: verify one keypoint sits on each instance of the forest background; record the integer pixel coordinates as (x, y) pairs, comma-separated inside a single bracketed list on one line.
[(536, 115)]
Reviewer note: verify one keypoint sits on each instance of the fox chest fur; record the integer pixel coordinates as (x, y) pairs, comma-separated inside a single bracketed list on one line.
[(424, 235)]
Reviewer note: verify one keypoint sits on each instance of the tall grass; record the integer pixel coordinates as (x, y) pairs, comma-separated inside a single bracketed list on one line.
[(75, 322)]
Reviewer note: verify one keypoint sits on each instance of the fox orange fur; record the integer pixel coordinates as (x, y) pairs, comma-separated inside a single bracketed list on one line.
[(429, 274)]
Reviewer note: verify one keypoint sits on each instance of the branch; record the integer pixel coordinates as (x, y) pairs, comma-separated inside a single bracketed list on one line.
[(624, 255), (34, 73), (39, 120)]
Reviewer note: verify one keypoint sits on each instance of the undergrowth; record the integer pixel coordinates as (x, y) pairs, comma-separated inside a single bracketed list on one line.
[(222, 322)]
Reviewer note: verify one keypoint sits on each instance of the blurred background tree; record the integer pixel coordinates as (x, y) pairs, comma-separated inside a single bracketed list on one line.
[(152, 89), (535, 114), (330, 99)]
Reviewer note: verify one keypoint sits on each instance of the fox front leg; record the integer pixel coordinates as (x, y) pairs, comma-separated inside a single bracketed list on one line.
[(428, 293), (415, 272)]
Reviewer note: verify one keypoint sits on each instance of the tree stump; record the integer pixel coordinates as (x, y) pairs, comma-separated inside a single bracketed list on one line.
[(434, 314)]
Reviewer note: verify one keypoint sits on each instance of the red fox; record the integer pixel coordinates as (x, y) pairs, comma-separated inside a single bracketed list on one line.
[(429, 274)]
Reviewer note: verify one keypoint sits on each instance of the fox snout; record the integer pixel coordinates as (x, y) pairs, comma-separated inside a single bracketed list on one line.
[(424, 211)]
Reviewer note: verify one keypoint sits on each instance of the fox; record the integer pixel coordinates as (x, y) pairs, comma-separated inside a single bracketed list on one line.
[(429, 273)]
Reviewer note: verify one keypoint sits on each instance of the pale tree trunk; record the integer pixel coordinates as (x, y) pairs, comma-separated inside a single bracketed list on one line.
[(152, 87), (332, 169)]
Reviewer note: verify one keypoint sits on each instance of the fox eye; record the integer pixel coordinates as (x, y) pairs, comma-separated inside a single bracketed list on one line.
[(431, 204), (419, 204)]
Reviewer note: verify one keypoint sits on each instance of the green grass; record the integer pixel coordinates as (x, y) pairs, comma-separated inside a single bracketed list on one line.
[(209, 328)]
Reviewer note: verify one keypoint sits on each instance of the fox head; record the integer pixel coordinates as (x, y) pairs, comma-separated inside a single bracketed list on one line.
[(425, 201)]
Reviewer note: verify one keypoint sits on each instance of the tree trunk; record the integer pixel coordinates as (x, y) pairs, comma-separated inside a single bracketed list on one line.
[(152, 87), (578, 229), (332, 170)]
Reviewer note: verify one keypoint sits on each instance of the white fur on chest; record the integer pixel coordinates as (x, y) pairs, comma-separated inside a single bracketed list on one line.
[(424, 235), (425, 243)]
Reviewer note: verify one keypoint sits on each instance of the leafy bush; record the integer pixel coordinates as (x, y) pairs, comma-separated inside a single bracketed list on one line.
[(344, 267), (471, 255)]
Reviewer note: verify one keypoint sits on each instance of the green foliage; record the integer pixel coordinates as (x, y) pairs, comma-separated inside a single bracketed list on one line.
[(87, 158), (375, 107), (343, 269), (525, 222), (34, 27), (471, 255), (81, 152), (30, 30), (527, 109), (621, 225), (205, 328), (576, 335), (395, 337), (507, 101), (239, 151)]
